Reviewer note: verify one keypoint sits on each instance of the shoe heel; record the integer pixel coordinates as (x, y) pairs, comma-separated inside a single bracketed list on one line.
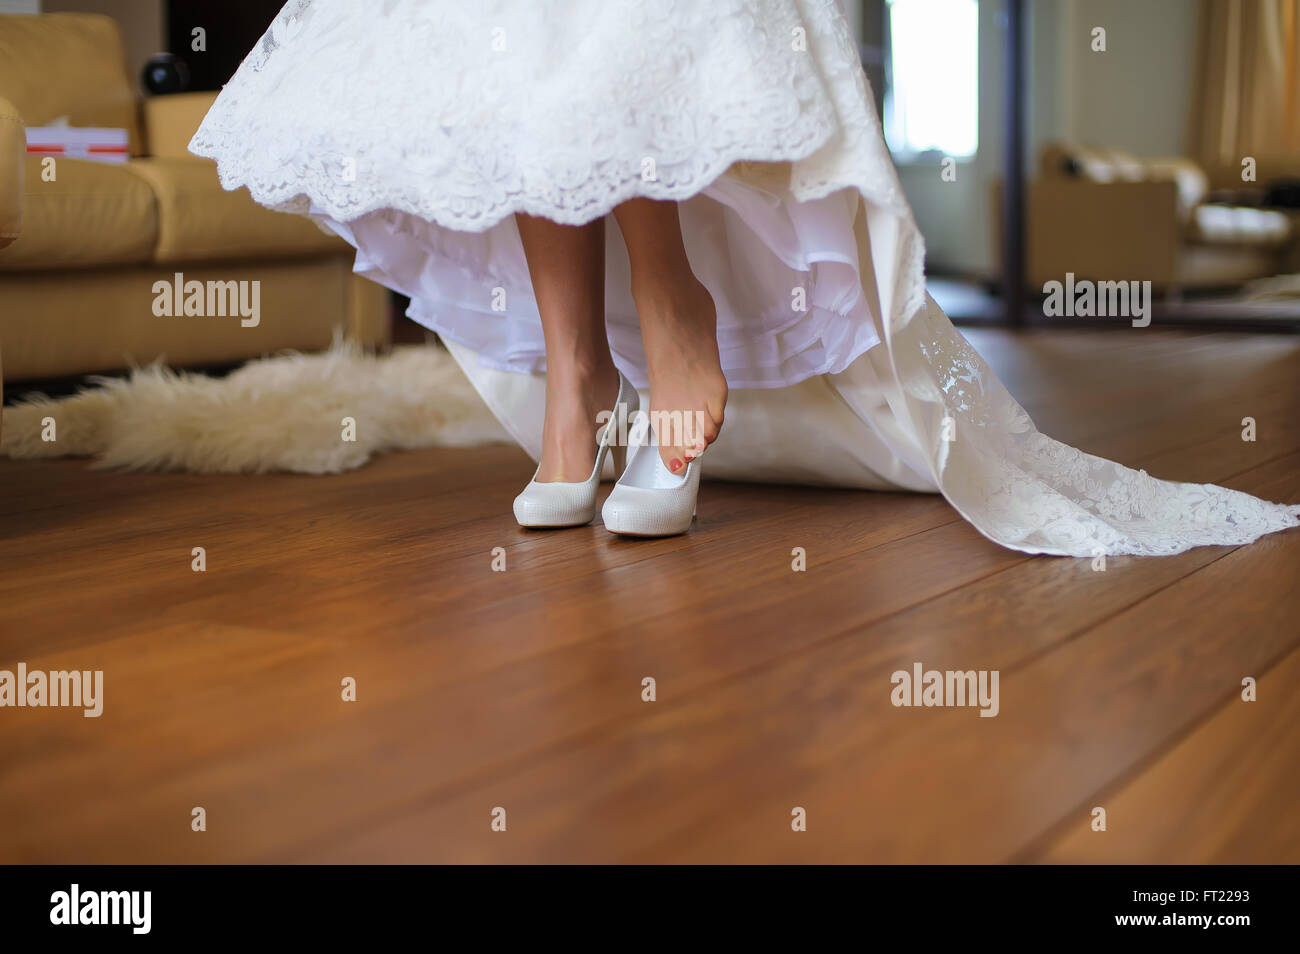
[(619, 453)]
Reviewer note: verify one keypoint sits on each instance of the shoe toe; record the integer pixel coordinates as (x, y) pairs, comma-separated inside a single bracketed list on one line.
[(530, 511), (640, 512)]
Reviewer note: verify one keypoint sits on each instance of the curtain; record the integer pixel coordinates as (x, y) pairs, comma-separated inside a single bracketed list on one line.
[(1250, 81)]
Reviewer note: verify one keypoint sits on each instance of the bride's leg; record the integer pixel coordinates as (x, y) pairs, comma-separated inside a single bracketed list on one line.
[(567, 266), (679, 329)]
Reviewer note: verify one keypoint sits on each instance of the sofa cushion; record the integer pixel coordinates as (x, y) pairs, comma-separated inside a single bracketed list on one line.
[(91, 213), (1096, 164), (198, 220), (68, 64), (171, 121), (1239, 225)]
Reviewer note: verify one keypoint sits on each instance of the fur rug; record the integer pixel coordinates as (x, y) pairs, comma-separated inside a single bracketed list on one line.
[(284, 413)]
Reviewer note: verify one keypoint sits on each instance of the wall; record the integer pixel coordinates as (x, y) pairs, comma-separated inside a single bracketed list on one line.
[(1136, 96)]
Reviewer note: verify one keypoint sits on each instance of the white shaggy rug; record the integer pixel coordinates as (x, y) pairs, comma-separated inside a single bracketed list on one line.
[(308, 413)]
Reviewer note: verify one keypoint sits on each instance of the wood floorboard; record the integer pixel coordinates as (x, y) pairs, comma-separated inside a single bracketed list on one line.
[(523, 688), (823, 717), (1202, 801)]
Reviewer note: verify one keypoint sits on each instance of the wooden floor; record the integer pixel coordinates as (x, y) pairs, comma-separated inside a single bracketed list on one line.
[(523, 690)]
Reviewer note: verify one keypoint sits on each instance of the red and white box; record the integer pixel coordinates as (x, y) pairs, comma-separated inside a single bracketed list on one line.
[(78, 142)]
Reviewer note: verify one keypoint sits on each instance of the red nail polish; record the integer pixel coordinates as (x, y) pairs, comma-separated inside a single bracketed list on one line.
[(675, 465)]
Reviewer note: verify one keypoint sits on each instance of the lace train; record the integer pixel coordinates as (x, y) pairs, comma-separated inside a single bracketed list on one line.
[(416, 129), (1026, 491)]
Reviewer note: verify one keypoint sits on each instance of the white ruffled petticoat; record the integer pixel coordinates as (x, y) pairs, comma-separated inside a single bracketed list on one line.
[(417, 128)]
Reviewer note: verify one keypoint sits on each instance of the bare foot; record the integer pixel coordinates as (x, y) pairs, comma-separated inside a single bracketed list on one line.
[(574, 398), (688, 391)]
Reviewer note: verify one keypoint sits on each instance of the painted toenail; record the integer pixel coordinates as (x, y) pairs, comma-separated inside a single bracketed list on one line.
[(675, 465)]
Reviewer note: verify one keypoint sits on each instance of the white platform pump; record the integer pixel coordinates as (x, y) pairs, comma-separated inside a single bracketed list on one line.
[(649, 500), (565, 504)]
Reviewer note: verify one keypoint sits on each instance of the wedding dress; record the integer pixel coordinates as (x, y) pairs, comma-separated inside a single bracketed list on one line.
[(415, 129)]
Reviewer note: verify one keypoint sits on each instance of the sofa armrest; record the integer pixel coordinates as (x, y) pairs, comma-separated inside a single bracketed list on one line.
[(171, 121), (13, 160), (1112, 230)]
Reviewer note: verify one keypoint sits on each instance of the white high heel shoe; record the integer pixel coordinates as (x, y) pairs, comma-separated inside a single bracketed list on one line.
[(649, 500), (565, 504)]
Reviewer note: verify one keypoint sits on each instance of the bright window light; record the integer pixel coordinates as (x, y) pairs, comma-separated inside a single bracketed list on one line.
[(932, 104)]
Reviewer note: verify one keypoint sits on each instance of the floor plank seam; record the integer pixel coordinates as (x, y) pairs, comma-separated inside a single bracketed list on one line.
[(1032, 852), (487, 774), (1295, 452), (1080, 633)]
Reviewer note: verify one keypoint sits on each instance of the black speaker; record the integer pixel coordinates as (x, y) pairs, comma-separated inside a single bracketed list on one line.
[(1283, 194), (166, 73)]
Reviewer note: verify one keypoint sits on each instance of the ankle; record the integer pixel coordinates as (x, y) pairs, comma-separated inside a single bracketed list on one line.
[(583, 394), (578, 375), (677, 295)]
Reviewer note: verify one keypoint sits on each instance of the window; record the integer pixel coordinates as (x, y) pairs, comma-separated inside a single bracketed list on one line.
[(932, 104)]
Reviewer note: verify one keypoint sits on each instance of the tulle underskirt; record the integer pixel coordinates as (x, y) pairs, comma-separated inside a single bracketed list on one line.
[(783, 274)]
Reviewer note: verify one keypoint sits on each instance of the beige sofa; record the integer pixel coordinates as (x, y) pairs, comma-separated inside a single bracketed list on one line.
[(83, 244), (11, 187), (1103, 214), (12, 169)]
